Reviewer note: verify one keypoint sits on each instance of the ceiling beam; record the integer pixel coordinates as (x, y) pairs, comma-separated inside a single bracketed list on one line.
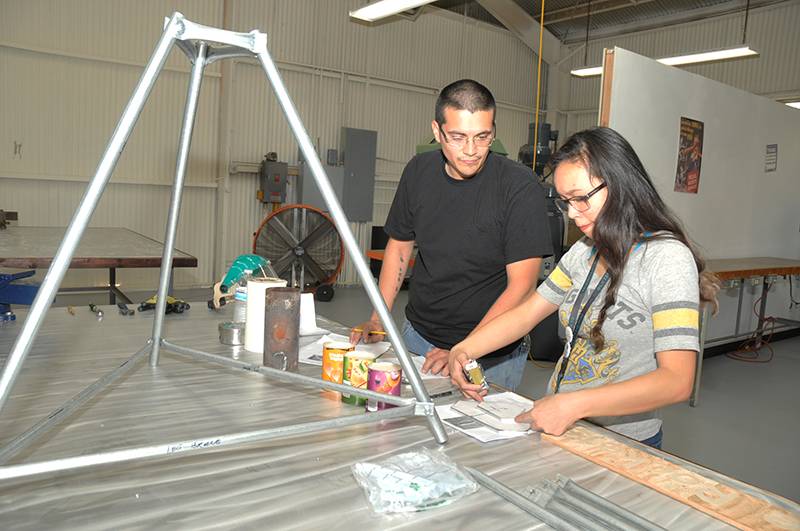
[(522, 25), (601, 6), (685, 16)]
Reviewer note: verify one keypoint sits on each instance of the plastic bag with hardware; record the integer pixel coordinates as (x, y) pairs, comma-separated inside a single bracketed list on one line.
[(413, 481)]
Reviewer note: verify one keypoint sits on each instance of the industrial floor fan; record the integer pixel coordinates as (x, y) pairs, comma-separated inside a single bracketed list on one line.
[(303, 246)]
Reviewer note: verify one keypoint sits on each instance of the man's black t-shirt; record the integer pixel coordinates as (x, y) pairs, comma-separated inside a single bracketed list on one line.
[(466, 232)]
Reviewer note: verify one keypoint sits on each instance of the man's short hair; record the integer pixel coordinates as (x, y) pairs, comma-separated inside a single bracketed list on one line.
[(464, 94)]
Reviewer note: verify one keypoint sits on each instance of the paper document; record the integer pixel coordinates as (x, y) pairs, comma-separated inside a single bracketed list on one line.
[(472, 427)]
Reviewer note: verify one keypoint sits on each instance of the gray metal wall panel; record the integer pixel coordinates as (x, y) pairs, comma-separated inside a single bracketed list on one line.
[(68, 67), (112, 29)]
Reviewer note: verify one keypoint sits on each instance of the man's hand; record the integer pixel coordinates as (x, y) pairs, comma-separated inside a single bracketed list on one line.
[(552, 414), (436, 362), (366, 332), (456, 362)]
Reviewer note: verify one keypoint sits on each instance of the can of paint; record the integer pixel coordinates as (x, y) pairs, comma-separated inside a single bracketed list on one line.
[(383, 377), (355, 374), (333, 360), (474, 373)]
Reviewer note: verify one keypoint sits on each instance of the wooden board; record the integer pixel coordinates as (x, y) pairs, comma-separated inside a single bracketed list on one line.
[(711, 497), (736, 268)]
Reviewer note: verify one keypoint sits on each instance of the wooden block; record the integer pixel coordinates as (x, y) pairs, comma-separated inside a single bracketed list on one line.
[(713, 498)]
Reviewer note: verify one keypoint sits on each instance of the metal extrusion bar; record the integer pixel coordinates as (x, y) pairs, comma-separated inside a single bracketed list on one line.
[(289, 377), (572, 489), (340, 220), (577, 515), (193, 445), (23, 440), (514, 497), (192, 97), (80, 219)]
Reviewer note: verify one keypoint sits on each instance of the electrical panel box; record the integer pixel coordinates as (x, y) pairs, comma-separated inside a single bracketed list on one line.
[(353, 181), (272, 181), (309, 192)]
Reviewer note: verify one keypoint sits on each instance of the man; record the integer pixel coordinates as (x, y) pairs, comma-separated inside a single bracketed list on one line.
[(480, 225)]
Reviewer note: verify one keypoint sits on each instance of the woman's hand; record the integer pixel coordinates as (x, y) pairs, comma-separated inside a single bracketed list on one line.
[(552, 414), (456, 362)]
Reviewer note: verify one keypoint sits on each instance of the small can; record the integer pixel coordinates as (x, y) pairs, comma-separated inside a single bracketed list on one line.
[(333, 360), (474, 373), (355, 374), (384, 377)]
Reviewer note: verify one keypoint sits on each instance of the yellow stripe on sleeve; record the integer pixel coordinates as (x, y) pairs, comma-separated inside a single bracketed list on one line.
[(676, 318), (560, 279)]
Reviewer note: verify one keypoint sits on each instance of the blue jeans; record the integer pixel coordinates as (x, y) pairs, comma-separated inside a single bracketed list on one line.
[(655, 440), (506, 370)]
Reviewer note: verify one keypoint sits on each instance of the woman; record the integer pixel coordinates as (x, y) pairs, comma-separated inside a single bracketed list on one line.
[(627, 295)]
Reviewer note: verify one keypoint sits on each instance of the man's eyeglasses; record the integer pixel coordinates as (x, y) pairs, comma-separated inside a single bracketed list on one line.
[(579, 202), (458, 140)]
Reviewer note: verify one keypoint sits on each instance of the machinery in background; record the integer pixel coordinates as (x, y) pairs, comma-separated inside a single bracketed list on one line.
[(542, 148), (545, 341)]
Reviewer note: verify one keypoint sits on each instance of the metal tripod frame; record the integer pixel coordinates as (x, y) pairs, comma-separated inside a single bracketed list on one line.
[(193, 39)]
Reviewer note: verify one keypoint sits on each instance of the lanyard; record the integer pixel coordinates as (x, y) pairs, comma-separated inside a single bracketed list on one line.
[(577, 315)]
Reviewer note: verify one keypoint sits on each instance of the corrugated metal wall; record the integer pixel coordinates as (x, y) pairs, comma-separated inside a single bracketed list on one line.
[(772, 31), (67, 68)]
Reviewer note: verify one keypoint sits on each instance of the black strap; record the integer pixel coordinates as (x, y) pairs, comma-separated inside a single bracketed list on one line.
[(578, 313)]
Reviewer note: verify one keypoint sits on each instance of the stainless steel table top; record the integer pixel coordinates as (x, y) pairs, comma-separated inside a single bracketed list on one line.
[(303, 482)]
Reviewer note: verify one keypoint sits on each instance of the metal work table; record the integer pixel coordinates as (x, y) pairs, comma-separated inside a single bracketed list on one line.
[(742, 269), (303, 482), (100, 248)]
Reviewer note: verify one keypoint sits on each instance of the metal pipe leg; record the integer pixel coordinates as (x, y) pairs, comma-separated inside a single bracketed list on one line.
[(340, 220), (80, 220), (190, 112), (762, 310)]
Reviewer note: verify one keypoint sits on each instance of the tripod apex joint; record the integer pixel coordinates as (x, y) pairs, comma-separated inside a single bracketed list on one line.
[(186, 30)]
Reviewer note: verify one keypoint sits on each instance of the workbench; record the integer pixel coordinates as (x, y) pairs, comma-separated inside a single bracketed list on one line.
[(109, 248), (740, 269), (302, 482)]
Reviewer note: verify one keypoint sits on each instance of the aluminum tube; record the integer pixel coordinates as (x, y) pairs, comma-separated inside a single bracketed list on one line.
[(575, 515), (514, 497), (340, 220), (570, 488), (184, 145), (80, 220), (289, 377), (205, 443), (53, 418)]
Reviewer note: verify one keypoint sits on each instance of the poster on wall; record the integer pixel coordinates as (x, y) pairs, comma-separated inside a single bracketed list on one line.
[(690, 155)]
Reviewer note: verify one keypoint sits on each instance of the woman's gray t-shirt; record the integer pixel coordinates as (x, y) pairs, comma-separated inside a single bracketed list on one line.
[(656, 310)]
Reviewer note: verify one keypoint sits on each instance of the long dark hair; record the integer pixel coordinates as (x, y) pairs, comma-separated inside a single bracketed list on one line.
[(633, 208)]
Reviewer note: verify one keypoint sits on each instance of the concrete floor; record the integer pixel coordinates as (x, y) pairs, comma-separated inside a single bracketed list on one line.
[(746, 424)]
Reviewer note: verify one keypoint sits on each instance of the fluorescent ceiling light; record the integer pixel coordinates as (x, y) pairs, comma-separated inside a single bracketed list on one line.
[(385, 8), (689, 59), (795, 104)]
